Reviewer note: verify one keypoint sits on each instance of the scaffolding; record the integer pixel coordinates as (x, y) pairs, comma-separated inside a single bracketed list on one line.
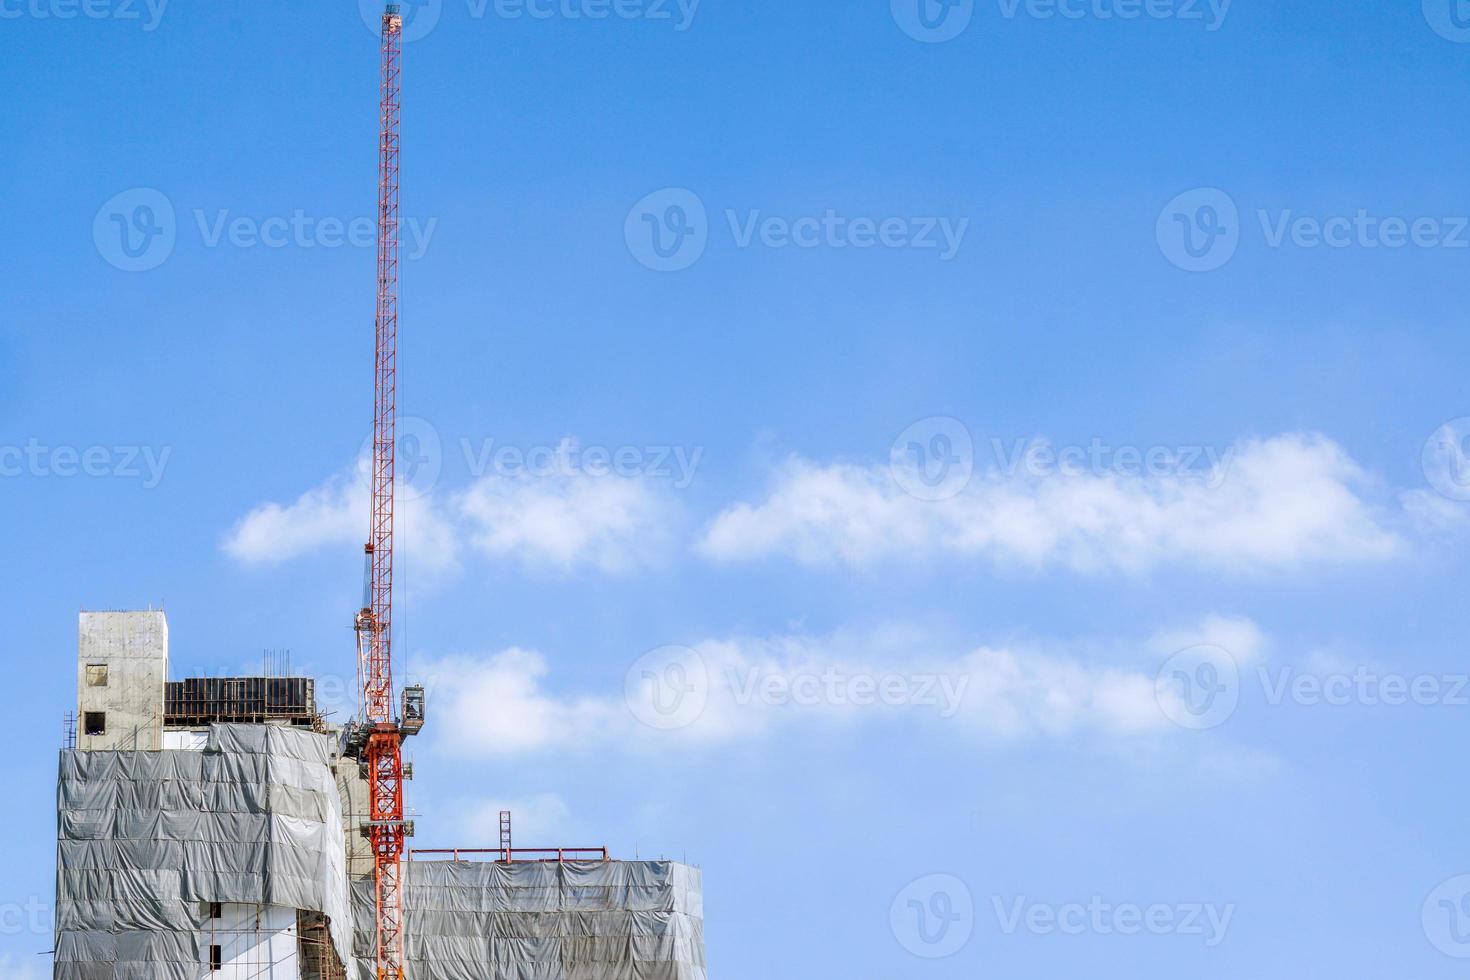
[(317, 956)]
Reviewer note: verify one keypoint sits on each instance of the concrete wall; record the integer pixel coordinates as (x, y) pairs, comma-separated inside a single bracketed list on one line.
[(122, 663), (257, 942), (185, 741)]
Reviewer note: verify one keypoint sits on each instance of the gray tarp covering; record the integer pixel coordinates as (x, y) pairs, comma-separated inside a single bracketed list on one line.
[(617, 920), (146, 838)]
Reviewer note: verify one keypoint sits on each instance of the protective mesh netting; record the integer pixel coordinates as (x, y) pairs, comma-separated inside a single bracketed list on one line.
[(615, 920), (147, 839)]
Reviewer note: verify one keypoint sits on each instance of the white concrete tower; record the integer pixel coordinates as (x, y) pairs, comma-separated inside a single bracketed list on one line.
[(122, 664)]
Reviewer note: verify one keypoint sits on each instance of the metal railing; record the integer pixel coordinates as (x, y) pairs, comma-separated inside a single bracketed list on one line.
[(542, 855)]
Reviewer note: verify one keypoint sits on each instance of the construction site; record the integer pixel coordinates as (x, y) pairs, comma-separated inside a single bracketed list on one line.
[(225, 827)]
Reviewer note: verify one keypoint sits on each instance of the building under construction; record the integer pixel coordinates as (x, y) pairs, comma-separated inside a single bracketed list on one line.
[(219, 828)]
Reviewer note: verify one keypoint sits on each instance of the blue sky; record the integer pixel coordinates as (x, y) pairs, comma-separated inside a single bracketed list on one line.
[(809, 274)]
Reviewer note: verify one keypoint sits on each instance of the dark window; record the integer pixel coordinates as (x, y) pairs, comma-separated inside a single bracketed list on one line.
[(95, 723), (215, 911), (216, 959)]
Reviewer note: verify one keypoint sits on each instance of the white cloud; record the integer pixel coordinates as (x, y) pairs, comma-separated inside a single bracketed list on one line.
[(723, 691), (1277, 503), (494, 706), (1432, 513), (1240, 637), (1269, 504), (566, 520), (335, 515), (557, 521)]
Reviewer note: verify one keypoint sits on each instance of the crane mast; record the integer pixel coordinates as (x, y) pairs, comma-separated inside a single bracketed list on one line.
[(379, 737)]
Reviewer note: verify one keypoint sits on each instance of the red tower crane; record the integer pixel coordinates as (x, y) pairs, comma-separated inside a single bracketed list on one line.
[(378, 739)]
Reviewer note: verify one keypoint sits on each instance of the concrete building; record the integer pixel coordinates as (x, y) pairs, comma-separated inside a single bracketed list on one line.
[(122, 664), (210, 829)]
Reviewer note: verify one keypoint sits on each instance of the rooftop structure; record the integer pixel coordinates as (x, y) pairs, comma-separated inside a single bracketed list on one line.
[(122, 664)]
